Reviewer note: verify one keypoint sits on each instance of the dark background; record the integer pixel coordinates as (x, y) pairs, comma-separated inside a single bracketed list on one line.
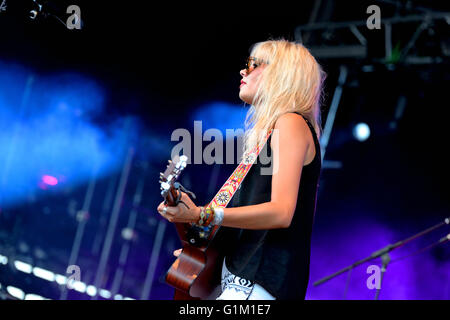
[(159, 63)]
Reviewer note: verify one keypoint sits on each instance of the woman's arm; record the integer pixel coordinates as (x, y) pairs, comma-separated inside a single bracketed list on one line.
[(289, 145)]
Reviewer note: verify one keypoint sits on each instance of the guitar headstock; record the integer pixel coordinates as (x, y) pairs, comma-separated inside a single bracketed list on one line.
[(170, 176)]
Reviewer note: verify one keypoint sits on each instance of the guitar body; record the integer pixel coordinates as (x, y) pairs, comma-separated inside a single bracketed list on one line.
[(195, 274)]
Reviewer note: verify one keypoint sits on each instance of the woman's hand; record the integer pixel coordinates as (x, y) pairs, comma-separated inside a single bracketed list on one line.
[(184, 212)]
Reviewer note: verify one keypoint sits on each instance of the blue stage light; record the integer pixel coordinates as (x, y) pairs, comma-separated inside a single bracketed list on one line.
[(361, 131), (221, 116), (49, 137)]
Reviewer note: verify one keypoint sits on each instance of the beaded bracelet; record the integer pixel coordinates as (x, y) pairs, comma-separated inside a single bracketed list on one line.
[(210, 215), (210, 212), (202, 216)]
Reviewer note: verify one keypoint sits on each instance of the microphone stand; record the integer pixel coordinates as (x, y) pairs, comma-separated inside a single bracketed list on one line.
[(384, 254)]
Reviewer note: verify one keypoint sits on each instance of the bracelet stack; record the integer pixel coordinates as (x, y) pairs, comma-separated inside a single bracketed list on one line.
[(209, 216), (210, 213)]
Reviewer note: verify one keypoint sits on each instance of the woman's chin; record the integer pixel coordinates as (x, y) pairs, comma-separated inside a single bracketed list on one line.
[(244, 98)]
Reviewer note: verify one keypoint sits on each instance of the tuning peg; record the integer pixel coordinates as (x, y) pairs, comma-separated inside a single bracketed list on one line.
[(165, 186)]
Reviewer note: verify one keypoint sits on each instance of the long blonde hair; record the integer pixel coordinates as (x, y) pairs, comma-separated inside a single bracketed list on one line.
[(292, 81)]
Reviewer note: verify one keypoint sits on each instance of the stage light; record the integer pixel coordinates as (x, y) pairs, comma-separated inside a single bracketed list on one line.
[(43, 274), (32, 296), (105, 293), (48, 130), (3, 260), (91, 290), (62, 280), (128, 234), (79, 286), (49, 180), (220, 115), (361, 131), (15, 292), (22, 266)]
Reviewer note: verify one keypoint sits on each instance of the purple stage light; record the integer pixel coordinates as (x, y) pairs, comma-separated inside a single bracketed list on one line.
[(49, 180)]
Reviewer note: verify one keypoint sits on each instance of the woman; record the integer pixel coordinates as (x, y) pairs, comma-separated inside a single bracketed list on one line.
[(269, 223)]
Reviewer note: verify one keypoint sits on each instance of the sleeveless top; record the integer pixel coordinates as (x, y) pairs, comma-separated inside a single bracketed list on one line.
[(276, 259)]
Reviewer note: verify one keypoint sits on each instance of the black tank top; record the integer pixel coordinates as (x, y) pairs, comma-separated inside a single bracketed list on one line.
[(276, 259)]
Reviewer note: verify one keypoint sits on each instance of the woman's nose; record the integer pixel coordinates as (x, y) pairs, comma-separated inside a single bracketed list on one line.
[(243, 72)]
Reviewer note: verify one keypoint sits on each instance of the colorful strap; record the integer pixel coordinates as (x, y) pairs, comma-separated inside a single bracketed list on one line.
[(223, 197)]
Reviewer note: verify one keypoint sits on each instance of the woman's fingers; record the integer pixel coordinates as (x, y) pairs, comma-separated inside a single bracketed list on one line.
[(182, 212), (176, 253), (167, 210), (160, 207)]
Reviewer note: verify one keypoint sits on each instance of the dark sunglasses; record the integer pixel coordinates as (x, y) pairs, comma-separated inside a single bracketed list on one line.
[(253, 63)]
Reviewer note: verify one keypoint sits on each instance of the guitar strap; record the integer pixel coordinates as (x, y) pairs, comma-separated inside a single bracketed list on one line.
[(226, 193)]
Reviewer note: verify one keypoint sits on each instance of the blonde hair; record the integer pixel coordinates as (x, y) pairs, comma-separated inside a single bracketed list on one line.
[(292, 81)]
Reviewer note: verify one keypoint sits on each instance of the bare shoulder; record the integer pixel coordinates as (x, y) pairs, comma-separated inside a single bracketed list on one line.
[(292, 124), (292, 127)]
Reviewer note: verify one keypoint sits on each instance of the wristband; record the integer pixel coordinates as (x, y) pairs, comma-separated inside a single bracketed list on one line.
[(209, 212), (218, 216)]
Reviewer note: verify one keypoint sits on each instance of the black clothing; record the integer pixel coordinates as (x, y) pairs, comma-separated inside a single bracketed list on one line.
[(276, 259)]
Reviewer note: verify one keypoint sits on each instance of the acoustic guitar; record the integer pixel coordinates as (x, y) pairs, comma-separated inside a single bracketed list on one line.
[(195, 274)]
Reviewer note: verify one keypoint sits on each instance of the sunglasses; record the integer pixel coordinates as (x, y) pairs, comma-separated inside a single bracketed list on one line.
[(253, 63)]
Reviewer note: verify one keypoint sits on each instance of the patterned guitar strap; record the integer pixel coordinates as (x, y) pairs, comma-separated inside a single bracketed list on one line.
[(241, 286), (226, 193)]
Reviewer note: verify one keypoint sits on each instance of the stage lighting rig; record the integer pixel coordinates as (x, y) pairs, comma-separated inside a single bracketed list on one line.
[(42, 9), (36, 11)]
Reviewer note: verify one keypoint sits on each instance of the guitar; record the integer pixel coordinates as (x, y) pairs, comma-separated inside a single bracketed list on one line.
[(195, 274)]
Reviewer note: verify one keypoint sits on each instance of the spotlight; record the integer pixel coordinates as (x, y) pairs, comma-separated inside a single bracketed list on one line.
[(105, 293), (361, 131), (128, 234), (61, 280), (31, 296), (15, 292), (22, 266), (49, 180), (3, 260), (43, 274), (91, 290), (79, 286)]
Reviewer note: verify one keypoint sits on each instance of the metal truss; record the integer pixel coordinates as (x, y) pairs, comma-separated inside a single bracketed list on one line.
[(359, 50)]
